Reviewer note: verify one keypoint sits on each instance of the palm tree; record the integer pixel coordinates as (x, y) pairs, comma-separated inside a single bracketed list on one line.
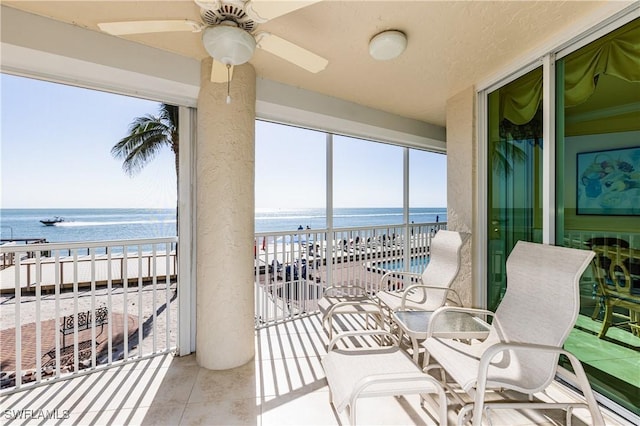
[(147, 136)]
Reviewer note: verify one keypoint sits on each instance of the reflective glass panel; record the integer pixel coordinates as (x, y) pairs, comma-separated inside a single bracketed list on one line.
[(514, 174), (598, 204)]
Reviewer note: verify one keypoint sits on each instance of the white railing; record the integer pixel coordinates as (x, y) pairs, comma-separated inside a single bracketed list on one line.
[(71, 308), (292, 269)]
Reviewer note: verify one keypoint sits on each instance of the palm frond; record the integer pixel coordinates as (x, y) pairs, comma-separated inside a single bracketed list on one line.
[(504, 154), (147, 135)]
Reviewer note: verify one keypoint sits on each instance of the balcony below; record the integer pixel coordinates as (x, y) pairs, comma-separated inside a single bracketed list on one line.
[(285, 384)]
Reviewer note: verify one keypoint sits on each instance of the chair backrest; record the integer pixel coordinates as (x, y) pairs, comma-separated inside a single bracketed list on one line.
[(444, 264), (540, 305)]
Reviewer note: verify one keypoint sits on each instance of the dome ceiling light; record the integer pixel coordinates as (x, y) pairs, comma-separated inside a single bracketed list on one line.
[(387, 45), (228, 43)]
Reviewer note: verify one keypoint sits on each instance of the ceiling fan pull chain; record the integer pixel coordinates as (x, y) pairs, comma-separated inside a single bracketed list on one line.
[(228, 84)]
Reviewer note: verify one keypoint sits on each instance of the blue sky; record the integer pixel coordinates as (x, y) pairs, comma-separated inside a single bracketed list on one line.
[(291, 165), (56, 142)]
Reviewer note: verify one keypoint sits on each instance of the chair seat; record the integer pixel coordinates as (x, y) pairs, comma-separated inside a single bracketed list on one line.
[(344, 371), (461, 361), (393, 300)]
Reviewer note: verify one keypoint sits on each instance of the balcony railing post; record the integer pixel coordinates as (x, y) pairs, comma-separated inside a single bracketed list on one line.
[(28, 265)]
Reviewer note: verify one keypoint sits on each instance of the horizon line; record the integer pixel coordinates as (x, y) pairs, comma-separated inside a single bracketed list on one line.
[(173, 208)]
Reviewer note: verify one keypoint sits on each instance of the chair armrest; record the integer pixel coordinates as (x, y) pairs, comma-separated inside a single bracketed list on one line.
[(398, 273), (495, 349), (360, 333), (415, 286), (579, 374), (443, 310), (403, 378)]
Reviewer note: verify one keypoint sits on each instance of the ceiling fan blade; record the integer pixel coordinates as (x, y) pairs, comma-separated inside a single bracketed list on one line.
[(141, 27), (263, 10), (219, 72), (291, 52)]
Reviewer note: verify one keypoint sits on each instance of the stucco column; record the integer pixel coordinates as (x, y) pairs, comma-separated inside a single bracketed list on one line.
[(225, 153), (461, 178)]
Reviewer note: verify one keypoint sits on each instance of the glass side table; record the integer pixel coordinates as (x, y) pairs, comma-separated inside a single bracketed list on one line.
[(452, 325)]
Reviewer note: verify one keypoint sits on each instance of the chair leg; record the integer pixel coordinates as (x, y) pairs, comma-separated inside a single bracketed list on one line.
[(597, 308), (606, 321), (379, 321), (442, 404), (464, 414), (330, 324), (372, 318), (416, 350), (599, 299), (585, 387), (634, 322)]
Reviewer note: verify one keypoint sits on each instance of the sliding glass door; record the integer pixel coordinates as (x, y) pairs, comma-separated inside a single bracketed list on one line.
[(514, 174)]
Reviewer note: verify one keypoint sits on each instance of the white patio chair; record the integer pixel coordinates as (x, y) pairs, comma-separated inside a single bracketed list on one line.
[(433, 286), (374, 372), (525, 339)]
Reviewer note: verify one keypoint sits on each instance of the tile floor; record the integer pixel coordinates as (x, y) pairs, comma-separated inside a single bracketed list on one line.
[(284, 385)]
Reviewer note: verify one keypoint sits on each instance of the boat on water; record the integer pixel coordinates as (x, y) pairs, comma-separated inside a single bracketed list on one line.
[(52, 222)]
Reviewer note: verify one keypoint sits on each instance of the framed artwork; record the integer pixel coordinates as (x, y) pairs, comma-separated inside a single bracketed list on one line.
[(608, 182)]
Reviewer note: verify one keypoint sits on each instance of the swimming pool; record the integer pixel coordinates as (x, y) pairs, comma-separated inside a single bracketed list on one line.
[(417, 265)]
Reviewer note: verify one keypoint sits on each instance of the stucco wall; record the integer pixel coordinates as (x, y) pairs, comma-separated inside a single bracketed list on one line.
[(461, 151)]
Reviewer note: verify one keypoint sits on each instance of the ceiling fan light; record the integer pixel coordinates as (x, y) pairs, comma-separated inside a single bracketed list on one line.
[(229, 45), (387, 45)]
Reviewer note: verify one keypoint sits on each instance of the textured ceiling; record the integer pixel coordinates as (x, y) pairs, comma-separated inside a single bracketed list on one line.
[(452, 44)]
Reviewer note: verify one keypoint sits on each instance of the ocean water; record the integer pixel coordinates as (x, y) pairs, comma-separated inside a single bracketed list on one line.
[(88, 224), (116, 224), (290, 219)]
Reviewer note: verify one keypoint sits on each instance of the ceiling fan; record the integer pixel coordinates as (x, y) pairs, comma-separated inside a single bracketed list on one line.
[(229, 33)]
